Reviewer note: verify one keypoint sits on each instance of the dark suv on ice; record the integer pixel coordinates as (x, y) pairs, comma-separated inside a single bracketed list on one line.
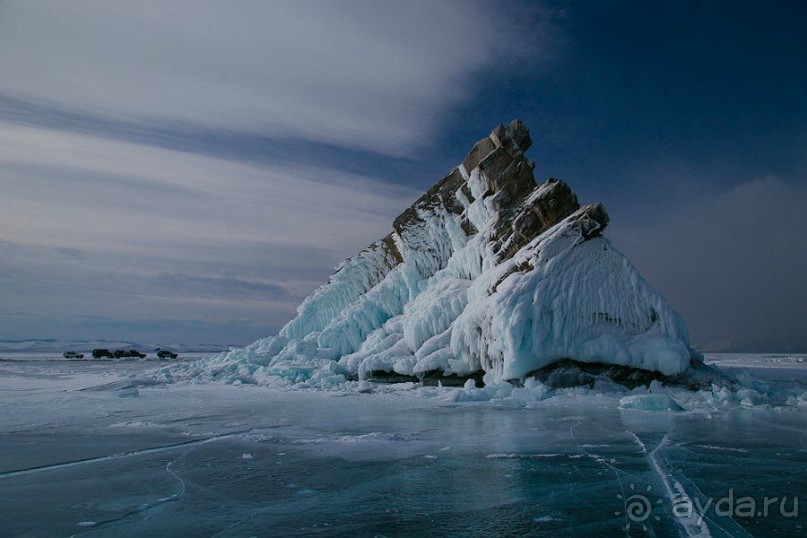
[(132, 353)]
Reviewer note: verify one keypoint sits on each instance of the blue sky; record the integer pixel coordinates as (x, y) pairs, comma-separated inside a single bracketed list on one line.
[(189, 171)]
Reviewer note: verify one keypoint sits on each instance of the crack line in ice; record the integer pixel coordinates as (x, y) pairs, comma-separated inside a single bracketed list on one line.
[(609, 466), (176, 496), (163, 500), (701, 513), (39, 469), (692, 525), (138, 510), (148, 506)]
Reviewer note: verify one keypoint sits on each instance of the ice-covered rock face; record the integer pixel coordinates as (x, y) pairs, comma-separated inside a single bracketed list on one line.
[(486, 272)]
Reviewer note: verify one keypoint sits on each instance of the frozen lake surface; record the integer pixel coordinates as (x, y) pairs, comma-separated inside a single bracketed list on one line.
[(85, 450)]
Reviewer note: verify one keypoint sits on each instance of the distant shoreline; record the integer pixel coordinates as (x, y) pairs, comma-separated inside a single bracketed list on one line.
[(49, 345)]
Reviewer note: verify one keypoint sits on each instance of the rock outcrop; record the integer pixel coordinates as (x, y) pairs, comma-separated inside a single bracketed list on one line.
[(486, 274)]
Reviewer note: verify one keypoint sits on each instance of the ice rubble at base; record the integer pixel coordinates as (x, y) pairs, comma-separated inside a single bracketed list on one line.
[(741, 390), (486, 272)]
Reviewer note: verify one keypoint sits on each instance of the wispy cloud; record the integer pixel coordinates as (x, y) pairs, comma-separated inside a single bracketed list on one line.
[(119, 230), (373, 75), (227, 285), (204, 163), (98, 192)]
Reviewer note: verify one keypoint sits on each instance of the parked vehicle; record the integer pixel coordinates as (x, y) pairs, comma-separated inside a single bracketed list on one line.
[(126, 354), (165, 354), (72, 355), (102, 353)]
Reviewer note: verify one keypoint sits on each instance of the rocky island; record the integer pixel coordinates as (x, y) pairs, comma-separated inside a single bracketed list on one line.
[(488, 277)]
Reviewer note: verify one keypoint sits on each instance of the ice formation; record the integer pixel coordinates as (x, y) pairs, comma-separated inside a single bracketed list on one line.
[(486, 273)]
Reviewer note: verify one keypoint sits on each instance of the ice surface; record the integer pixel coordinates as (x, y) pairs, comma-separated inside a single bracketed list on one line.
[(650, 402), (362, 458)]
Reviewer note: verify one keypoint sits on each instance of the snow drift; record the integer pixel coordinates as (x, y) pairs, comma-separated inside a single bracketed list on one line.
[(486, 273)]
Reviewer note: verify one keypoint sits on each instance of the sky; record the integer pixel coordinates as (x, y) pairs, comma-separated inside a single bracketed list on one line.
[(189, 171)]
